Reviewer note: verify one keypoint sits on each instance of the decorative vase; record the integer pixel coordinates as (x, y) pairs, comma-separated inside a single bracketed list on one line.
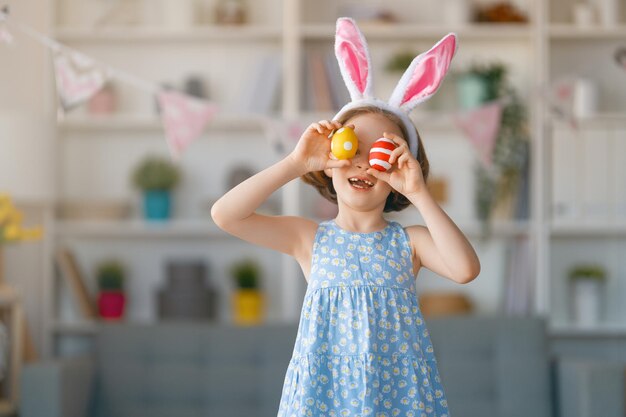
[(586, 298), (585, 97), (157, 205), (472, 91), (111, 304), (248, 306)]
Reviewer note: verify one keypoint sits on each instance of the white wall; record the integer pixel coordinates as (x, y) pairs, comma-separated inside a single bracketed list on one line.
[(22, 88)]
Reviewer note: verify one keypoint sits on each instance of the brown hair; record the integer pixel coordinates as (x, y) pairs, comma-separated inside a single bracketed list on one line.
[(395, 201)]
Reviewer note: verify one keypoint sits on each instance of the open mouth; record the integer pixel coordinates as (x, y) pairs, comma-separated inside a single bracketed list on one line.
[(360, 183)]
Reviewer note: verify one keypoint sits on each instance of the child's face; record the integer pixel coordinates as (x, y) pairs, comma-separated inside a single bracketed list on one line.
[(368, 128)]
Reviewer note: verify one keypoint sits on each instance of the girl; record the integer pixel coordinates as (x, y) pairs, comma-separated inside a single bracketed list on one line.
[(362, 347)]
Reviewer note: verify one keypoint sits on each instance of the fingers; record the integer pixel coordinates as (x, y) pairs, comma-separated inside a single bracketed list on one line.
[(338, 163), (397, 139), (396, 153), (403, 160), (402, 149), (325, 126), (384, 176)]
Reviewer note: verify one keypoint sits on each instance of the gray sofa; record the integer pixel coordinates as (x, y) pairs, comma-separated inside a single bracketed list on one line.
[(490, 366)]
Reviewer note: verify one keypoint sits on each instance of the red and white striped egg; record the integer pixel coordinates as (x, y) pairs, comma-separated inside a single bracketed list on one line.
[(380, 153)]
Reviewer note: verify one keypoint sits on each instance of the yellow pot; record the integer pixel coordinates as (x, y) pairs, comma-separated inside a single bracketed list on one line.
[(248, 306)]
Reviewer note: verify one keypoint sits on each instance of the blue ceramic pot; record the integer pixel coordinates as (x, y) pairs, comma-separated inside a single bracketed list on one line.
[(156, 204), (472, 91)]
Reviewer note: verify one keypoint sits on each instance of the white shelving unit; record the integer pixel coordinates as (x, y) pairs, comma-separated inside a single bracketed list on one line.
[(585, 232), (227, 56)]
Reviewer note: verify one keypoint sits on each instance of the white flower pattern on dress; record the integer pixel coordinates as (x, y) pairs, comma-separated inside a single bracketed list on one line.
[(362, 347)]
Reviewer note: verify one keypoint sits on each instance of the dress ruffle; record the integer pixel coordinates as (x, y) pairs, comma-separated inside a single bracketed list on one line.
[(361, 385)]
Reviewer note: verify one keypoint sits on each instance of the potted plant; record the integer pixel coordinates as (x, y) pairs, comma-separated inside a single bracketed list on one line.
[(586, 282), (248, 300), (111, 297), (498, 187), (156, 176)]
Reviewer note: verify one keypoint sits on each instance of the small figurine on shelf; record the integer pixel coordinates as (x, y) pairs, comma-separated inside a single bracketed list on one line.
[(248, 301), (111, 297), (500, 12), (156, 176), (230, 12)]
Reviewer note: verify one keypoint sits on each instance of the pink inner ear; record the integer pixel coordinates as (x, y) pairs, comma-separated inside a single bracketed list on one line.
[(352, 54), (430, 71)]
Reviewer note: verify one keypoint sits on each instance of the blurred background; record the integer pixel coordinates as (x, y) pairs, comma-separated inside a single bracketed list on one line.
[(120, 297)]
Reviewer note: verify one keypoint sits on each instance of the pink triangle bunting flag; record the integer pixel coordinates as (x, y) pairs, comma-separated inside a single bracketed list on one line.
[(78, 78), (184, 118), (482, 125)]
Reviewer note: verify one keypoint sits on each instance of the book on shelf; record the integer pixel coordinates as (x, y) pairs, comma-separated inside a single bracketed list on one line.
[(565, 174), (69, 268), (619, 173), (595, 173), (324, 89), (519, 279), (321, 86), (338, 90), (261, 92), (588, 174)]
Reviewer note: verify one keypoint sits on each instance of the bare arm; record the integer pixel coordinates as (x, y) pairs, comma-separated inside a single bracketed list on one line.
[(442, 247), (235, 213)]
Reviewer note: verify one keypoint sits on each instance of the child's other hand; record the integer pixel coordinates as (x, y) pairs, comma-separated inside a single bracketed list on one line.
[(313, 149), (406, 176)]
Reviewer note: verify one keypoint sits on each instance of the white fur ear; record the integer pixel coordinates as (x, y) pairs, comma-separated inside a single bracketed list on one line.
[(424, 76), (353, 58)]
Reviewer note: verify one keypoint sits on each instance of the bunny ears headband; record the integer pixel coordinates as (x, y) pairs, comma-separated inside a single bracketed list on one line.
[(419, 82)]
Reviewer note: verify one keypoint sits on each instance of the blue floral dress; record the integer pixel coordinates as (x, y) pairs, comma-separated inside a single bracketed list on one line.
[(362, 347)]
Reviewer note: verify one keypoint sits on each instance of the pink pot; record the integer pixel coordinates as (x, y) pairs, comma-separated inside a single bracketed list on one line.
[(111, 304)]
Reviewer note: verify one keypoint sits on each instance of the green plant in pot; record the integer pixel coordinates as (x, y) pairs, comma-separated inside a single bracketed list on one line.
[(498, 186), (156, 176), (586, 282), (111, 298), (248, 300)]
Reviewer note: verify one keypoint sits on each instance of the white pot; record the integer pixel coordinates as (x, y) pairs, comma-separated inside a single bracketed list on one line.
[(584, 14), (586, 301), (585, 97), (177, 14)]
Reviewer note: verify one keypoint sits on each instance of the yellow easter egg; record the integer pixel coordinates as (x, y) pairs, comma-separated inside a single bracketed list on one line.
[(344, 143)]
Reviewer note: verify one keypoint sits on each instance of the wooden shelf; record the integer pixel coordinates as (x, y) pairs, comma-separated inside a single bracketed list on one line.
[(196, 228), (128, 122), (90, 328), (375, 32), (125, 35), (597, 120), (588, 229), (572, 32)]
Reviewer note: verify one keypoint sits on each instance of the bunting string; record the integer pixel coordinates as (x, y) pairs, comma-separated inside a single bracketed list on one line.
[(185, 117)]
